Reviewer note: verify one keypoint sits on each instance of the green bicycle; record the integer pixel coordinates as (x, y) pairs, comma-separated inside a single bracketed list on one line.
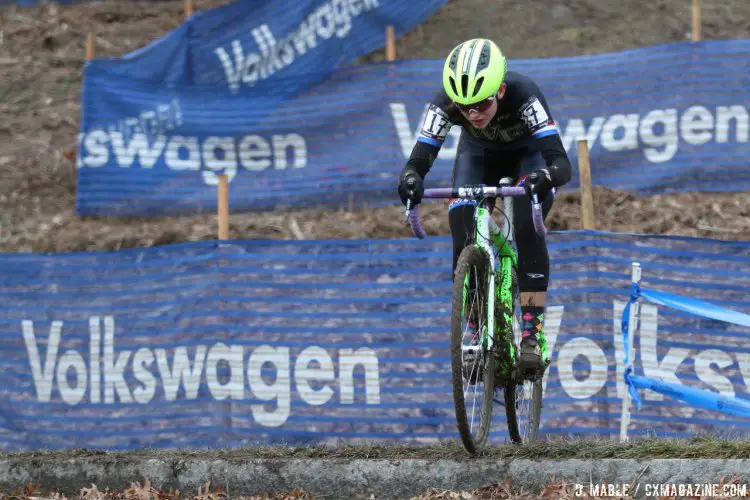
[(485, 293)]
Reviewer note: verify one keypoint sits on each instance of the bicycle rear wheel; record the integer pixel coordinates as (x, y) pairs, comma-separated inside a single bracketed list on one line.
[(472, 365), (523, 398), (523, 407)]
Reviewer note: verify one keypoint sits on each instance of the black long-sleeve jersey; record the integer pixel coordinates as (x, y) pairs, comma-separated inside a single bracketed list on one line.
[(523, 121)]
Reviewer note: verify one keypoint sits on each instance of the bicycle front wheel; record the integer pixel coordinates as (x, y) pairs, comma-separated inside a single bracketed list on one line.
[(472, 364)]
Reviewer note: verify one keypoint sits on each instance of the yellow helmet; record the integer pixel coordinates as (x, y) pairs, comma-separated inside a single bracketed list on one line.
[(474, 70)]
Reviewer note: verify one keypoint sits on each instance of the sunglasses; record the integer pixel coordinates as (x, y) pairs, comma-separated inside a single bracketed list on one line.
[(479, 107)]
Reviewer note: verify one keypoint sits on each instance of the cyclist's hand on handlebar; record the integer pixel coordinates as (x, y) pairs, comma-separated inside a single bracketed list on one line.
[(538, 183), (411, 187)]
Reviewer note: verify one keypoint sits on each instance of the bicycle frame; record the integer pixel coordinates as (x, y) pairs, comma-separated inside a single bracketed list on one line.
[(491, 239), (488, 234), (501, 257)]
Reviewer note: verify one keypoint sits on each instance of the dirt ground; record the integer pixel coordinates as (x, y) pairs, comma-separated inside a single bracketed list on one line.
[(41, 56)]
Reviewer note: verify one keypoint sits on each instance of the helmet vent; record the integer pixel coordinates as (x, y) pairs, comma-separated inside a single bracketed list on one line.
[(454, 58), (464, 84), (453, 84), (478, 86), (484, 57)]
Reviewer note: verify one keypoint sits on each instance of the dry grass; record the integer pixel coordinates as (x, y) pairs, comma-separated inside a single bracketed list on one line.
[(726, 217), (707, 446), (556, 489), (145, 491)]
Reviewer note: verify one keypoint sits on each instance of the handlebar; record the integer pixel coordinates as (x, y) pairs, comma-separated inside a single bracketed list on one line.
[(474, 192)]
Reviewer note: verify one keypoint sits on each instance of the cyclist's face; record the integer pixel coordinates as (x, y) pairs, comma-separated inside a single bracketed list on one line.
[(480, 119)]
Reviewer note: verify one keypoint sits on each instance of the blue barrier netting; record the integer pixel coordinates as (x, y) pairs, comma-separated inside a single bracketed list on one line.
[(307, 137), (195, 344)]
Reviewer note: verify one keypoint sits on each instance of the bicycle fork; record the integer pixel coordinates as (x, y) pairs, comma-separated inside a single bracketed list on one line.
[(483, 232)]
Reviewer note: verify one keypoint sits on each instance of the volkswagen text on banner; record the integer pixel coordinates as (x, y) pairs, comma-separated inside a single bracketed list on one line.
[(655, 118), (195, 344), (203, 95)]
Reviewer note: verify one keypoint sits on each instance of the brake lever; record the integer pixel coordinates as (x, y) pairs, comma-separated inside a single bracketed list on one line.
[(407, 212), (537, 216)]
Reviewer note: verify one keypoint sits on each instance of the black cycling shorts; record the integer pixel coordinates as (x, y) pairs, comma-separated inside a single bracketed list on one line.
[(477, 165)]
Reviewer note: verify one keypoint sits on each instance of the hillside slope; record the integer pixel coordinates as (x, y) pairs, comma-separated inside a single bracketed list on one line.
[(41, 52)]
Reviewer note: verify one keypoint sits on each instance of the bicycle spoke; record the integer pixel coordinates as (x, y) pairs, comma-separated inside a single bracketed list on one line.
[(523, 402), (470, 364), (523, 407), (473, 343)]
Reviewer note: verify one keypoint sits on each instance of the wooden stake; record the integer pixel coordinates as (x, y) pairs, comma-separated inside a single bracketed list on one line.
[(88, 55), (90, 47), (223, 203), (696, 20), (587, 195), (390, 43), (188, 8)]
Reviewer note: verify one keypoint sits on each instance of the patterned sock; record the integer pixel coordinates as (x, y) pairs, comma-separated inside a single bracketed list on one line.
[(532, 322)]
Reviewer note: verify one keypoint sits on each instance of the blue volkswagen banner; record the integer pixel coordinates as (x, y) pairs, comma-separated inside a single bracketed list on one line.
[(661, 119), (195, 344), (244, 43), (35, 3)]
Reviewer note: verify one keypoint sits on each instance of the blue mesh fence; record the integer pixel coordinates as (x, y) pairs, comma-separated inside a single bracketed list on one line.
[(36, 3), (653, 118), (195, 344)]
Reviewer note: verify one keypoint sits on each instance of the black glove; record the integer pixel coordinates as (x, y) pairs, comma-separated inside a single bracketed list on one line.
[(538, 183), (411, 187)]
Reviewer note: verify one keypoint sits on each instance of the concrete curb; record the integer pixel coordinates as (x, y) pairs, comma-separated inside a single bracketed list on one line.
[(357, 478)]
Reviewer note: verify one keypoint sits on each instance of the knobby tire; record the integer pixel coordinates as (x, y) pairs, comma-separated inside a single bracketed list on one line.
[(471, 257), (510, 391)]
